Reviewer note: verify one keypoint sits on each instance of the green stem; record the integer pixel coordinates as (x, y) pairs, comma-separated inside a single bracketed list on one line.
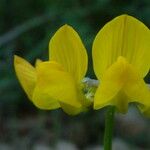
[(109, 123)]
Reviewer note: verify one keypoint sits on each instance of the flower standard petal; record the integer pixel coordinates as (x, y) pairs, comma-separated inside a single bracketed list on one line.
[(26, 74), (123, 36), (67, 49), (55, 85)]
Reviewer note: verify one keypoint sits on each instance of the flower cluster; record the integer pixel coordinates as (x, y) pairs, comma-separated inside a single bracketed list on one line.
[(120, 52)]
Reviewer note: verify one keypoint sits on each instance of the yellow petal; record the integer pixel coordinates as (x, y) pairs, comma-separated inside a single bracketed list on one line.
[(140, 92), (137, 90), (38, 61), (67, 49), (26, 75), (123, 36), (110, 85), (54, 86), (71, 110), (120, 85)]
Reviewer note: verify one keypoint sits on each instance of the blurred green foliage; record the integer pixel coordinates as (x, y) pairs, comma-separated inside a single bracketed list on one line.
[(26, 27)]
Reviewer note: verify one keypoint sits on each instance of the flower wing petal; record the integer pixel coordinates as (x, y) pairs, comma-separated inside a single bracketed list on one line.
[(54, 85), (26, 74), (123, 36), (67, 49), (110, 86), (137, 91), (120, 85)]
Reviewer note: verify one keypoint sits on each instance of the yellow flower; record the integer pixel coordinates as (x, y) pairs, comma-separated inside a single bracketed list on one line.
[(57, 82), (121, 56)]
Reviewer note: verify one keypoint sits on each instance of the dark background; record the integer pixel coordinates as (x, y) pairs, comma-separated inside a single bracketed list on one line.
[(26, 27)]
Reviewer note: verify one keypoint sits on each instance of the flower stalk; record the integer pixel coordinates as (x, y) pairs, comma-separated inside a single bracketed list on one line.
[(109, 124)]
